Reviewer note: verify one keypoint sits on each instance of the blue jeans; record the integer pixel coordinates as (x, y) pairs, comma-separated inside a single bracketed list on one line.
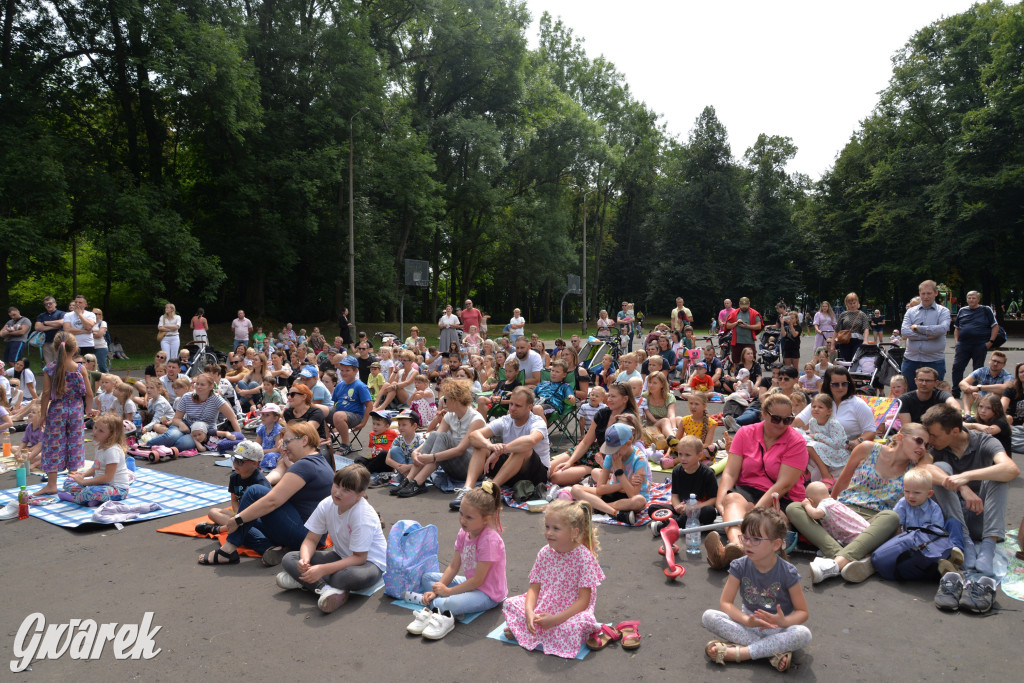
[(991, 523), (101, 359), (174, 438), (283, 526), (750, 416), (910, 367), (459, 604), (974, 352), (246, 401)]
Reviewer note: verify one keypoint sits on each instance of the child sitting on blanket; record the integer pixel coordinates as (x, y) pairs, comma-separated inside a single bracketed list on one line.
[(245, 472), (621, 487), (31, 446), (268, 433), (109, 477), (480, 554), (357, 559), (690, 475)]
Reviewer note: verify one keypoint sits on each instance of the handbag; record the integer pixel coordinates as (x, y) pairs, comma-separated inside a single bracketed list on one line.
[(160, 335), (844, 336)]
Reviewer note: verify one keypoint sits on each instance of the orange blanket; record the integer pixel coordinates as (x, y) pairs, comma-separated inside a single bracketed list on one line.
[(188, 528)]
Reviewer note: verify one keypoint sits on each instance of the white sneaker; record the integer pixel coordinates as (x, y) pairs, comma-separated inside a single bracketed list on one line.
[(412, 596), (823, 568), (287, 581), (439, 625), (331, 599), (419, 621)]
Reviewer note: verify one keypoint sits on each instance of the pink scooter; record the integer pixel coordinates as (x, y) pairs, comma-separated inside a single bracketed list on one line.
[(668, 548)]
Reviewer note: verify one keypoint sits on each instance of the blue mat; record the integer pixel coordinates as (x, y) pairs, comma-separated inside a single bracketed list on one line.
[(464, 619), (173, 493), (499, 634), (372, 589)]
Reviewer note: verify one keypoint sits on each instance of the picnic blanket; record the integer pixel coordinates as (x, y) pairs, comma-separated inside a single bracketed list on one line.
[(188, 528), (660, 493), (172, 492), (1013, 581), (499, 634)]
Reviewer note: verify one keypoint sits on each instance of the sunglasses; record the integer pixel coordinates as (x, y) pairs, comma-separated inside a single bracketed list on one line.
[(776, 419), (918, 440), (839, 385), (292, 394)]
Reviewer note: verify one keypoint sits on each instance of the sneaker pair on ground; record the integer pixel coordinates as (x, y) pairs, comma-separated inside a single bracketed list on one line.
[(974, 596), (854, 571), (330, 599), (409, 488), (432, 624)]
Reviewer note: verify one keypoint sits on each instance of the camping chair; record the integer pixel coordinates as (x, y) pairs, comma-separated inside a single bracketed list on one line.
[(497, 410), (885, 410), (565, 421), (335, 439)]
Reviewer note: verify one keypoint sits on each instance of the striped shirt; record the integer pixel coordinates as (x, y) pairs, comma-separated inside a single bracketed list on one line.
[(208, 411)]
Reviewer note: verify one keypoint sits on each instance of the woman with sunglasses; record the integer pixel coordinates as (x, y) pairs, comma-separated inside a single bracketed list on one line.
[(159, 359), (871, 484), (299, 406), (273, 520), (854, 414), (764, 459)]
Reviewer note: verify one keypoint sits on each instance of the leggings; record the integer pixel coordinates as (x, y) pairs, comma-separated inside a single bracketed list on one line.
[(348, 579), (84, 495), (763, 643), (881, 527), (459, 604)]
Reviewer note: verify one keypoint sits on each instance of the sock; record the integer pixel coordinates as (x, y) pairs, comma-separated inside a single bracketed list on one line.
[(986, 553), (970, 553)]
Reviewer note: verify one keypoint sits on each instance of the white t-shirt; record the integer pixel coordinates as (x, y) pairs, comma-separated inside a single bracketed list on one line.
[(531, 364), (357, 530), (83, 339), (109, 404), (99, 342), (854, 414), (459, 428), (507, 430), (452, 320), (27, 377), (240, 328), (176, 320), (516, 331), (114, 454)]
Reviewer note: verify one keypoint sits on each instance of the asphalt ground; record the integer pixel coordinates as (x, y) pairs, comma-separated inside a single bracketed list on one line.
[(232, 622)]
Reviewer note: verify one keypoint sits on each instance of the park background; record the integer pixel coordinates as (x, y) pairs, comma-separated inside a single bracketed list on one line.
[(204, 153)]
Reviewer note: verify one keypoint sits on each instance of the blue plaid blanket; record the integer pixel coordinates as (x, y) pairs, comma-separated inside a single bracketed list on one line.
[(174, 494)]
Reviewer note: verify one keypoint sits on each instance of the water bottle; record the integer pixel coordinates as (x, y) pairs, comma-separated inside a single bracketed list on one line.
[(692, 520), (22, 503), (137, 419)]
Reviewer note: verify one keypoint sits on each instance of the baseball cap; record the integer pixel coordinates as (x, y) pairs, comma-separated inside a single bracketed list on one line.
[(408, 415), (309, 371), (374, 364), (615, 437), (272, 408), (349, 360), (248, 450), (199, 427), (380, 414), (701, 364)]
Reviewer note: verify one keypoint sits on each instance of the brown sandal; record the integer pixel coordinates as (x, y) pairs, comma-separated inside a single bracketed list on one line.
[(781, 661), (721, 648)]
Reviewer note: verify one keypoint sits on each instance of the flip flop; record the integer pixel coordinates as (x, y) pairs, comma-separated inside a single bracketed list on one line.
[(602, 637), (213, 557), (630, 631)]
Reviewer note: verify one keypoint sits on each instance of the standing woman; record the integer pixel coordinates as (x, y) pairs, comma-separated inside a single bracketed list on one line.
[(200, 325), (449, 325), (824, 326), (856, 323), (99, 340), (168, 325), (346, 330), (791, 329)]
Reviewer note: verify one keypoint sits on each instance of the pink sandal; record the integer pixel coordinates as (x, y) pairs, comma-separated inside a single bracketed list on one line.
[(630, 631), (602, 637)]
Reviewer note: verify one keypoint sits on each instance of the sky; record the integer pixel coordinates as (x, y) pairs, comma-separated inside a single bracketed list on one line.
[(807, 70)]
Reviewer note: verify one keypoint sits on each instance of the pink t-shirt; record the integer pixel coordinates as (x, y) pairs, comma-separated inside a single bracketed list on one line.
[(761, 467), (486, 547), (470, 317)]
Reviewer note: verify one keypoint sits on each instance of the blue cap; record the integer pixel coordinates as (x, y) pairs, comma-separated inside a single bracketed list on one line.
[(350, 360), (615, 437), (309, 371)]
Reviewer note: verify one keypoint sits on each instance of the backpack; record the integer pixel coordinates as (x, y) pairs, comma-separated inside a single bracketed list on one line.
[(914, 554), (37, 339), (412, 552)]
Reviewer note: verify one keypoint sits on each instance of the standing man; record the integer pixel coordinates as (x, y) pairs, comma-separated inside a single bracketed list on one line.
[(974, 331), (924, 329), (681, 316), (745, 323), (241, 328), (15, 333), (530, 362), (50, 321), (79, 322), (723, 315), (470, 316), (625, 321)]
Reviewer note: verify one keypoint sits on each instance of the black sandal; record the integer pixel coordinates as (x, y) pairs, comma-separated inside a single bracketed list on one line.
[(208, 529), (213, 557)]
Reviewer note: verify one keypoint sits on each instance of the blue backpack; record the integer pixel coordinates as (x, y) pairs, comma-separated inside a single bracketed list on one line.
[(914, 554), (412, 552)]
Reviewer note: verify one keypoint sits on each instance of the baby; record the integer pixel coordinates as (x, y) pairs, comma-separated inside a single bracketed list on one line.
[(841, 523), (595, 401), (744, 387)]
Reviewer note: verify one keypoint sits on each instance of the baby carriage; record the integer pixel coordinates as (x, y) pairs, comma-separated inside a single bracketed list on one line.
[(202, 355), (871, 368), (768, 348)]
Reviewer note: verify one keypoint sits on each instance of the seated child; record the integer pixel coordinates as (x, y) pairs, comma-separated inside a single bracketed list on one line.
[(810, 382), (31, 446), (594, 403), (917, 508), (701, 380), (357, 558), (245, 471), (159, 407), (773, 606), (268, 432), (628, 364), (552, 396), (841, 523), (376, 379), (557, 611), (379, 443), (116, 350), (422, 401), (408, 439), (826, 440), (699, 424), (503, 389), (690, 475), (480, 552), (621, 486), (109, 477), (743, 385)]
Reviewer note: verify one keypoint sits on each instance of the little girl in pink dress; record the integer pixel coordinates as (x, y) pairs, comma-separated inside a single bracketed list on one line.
[(841, 523)]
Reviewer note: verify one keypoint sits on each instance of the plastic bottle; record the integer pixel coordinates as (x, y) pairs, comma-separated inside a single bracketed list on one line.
[(137, 419), (692, 520), (7, 444), (22, 503)]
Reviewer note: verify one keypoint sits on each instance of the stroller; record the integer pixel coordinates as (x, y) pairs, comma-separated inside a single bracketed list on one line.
[(201, 356), (872, 367), (768, 348)]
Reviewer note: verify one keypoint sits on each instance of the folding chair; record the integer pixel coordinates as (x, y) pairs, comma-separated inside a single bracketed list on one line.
[(565, 420), (885, 410)]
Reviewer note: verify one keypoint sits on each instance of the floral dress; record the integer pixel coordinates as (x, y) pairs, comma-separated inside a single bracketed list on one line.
[(64, 432), (829, 442), (561, 576)]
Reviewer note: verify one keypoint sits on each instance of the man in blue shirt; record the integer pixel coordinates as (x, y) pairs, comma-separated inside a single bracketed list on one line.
[(986, 380), (51, 321), (974, 331), (924, 328), (352, 402)]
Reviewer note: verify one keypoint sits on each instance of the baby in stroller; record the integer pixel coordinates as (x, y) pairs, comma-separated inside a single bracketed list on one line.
[(768, 347)]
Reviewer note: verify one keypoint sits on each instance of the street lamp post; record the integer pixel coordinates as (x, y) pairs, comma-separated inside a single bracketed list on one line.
[(351, 227), (585, 261)]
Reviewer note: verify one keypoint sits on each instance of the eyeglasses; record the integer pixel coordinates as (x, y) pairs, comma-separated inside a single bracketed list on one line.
[(778, 419), (293, 394), (289, 440), (996, 361), (840, 385), (754, 540), (235, 361)]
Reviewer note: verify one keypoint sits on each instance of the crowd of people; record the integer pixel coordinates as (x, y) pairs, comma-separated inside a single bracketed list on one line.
[(474, 415)]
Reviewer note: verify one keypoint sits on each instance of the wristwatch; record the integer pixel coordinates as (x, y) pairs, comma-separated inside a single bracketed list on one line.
[(619, 472), (238, 520)]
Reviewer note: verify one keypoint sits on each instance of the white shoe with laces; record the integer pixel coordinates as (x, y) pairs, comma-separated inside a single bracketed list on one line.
[(331, 598), (439, 625), (823, 568)]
